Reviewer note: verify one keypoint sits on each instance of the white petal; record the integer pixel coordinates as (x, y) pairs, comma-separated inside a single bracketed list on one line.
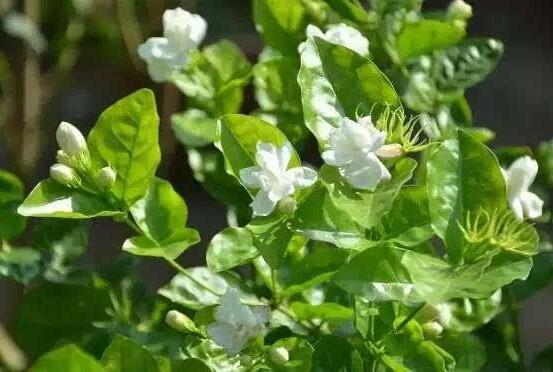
[(365, 172), (349, 37), (331, 158), (531, 204), (284, 156), (262, 205), (302, 176), (267, 158), (516, 207), (154, 47), (280, 189), (390, 151), (521, 175), (251, 176), (228, 337)]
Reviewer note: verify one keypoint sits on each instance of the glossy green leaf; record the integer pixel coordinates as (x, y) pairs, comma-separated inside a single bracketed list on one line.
[(199, 287), (123, 355), (143, 246), (275, 89), (239, 136), (186, 365), (463, 176), (11, 194), (299, 353), (365, 207), (194, 128), (326, 311), (125, 137), (271, 236), (281, 24), (20, 264), (214, 78), (337, 82), (50, 199), (69, 358), (422, 37), (230, 248), (350, 9), (334, 353)]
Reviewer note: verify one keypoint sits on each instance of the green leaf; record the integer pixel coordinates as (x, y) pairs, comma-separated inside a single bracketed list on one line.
[(199, 287), (143, 246), (187, 365), (20, 264), (239, 136), (334, 353), (125, 137), (337, 82), (271, 236), (214, 78), (275, 90), (350, 9), (281, 24), (365, 207), (194, 128), (299, 352), (69, 358), (463, 176), (468, 315), (212, 355), (230, 248), (377, 274), (425, 36), (123, 355), (39, 326), (468, 351), (383, 7), (326, 311), (50, 199), (11, 194)]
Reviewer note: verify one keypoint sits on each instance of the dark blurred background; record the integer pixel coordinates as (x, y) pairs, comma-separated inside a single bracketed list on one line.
[(514, 102)]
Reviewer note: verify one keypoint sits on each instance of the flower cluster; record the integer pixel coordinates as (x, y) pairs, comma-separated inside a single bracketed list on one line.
[(182, 31)]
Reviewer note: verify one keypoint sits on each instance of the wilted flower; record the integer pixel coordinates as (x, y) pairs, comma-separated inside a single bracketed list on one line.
[(518, 178), (236, 323), (106, 177), (273, 177), (342, 34), (70, 139), (182, 32), (355, 148), (279, 355), (64, 175)]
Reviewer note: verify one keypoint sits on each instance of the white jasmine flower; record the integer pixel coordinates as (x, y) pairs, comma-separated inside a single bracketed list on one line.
[(355, 148), (235, 323), (182, 32), (70, 139), (273, 177), (518, 178), (344, 35)]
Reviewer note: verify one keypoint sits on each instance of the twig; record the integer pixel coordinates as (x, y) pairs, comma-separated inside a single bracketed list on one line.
[(130, 29), (10, 354)]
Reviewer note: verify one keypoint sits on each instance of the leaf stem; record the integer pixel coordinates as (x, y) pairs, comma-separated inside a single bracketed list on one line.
[(184, 272)]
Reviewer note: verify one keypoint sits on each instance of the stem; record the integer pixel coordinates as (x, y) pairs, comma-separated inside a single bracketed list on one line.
[(10, 355), (184, 272), (128, 24), (513, 311), (274, 287), (409, 318)]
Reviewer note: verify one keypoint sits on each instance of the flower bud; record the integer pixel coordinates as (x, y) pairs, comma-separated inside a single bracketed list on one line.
[(279, 355), (432, 329), (106, 177), (70, 139), (287, 205), (61, 157), (458, 9), (64, 175), (390, 151), (180, 322)]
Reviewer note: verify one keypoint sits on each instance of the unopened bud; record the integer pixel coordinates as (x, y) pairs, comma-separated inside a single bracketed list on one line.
[(432, 329), (458, 9), (287, 205), (70, 139), (106, 177), (64, 175), (279, 355), (62, 158), (390, 151), (180, 322)]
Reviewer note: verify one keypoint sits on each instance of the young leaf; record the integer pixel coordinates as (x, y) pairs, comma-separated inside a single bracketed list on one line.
[(336, 82), (11, 194), (463, 176), (230, 248), (238, 136), (123, 355), (281, 24), (327, 311), (50, 199), (194, 128), (364, 207), (125, 137), (69, 358)]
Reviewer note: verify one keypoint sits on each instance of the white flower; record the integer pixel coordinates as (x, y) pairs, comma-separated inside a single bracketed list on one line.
[(273, 177), (182, 32), (355, 148), (64, 175), (70, 139), (236, 323), (344, 35), (518, 178)]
